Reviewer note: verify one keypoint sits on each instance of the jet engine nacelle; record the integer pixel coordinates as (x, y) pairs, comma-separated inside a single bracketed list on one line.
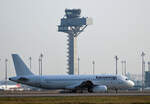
[(101, 88)]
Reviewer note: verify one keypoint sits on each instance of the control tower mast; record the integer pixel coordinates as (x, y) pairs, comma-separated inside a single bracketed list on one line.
[(73, 25)]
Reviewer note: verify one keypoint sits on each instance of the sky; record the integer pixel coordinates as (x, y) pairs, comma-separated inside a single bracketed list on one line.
[(120, 27)]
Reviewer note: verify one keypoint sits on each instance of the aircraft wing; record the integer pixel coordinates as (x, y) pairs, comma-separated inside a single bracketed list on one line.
[(89, 86), (84, 84)]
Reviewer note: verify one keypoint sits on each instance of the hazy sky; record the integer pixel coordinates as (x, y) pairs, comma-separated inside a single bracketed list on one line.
[(120, 27)]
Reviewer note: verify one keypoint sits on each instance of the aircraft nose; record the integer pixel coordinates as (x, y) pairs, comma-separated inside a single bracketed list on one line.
[(130, 83)]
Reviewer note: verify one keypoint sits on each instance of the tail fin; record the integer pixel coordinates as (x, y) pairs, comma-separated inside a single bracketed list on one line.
[(20, 67)]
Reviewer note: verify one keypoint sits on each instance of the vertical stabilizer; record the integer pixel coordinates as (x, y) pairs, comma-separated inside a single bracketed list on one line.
[(20, 66)]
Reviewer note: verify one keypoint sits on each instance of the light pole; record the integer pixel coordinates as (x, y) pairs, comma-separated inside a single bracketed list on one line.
[(78, 65), (143, 70), (149, 66), (93, 67), (41, 56), (116, 58), (30, 62), (125, 65), (122, 67), (39, 66), (0, 59), (6, 60)]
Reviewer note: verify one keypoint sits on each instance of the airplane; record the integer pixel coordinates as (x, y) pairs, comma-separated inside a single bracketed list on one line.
[(10, 87), (92, 83)]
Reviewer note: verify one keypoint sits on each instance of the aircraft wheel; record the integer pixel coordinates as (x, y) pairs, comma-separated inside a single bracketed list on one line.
[(90, 90), (74, 91), (116, 90)]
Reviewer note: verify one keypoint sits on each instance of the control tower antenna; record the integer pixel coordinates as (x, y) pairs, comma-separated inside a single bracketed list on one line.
[(73, 25)]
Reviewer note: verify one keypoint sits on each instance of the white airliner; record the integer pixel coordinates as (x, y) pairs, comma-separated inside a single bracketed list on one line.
[(93, 83), (10, 87)]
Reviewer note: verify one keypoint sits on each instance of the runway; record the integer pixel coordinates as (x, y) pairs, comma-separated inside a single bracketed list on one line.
[(50, 94)]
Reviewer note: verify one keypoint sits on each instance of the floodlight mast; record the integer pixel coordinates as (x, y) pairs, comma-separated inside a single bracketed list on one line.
[(73, 25)]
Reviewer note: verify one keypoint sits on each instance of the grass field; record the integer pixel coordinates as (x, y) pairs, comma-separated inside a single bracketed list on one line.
[(77, 100)]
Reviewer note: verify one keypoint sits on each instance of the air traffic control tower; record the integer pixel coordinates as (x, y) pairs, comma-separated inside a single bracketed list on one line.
[(73, 24)]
